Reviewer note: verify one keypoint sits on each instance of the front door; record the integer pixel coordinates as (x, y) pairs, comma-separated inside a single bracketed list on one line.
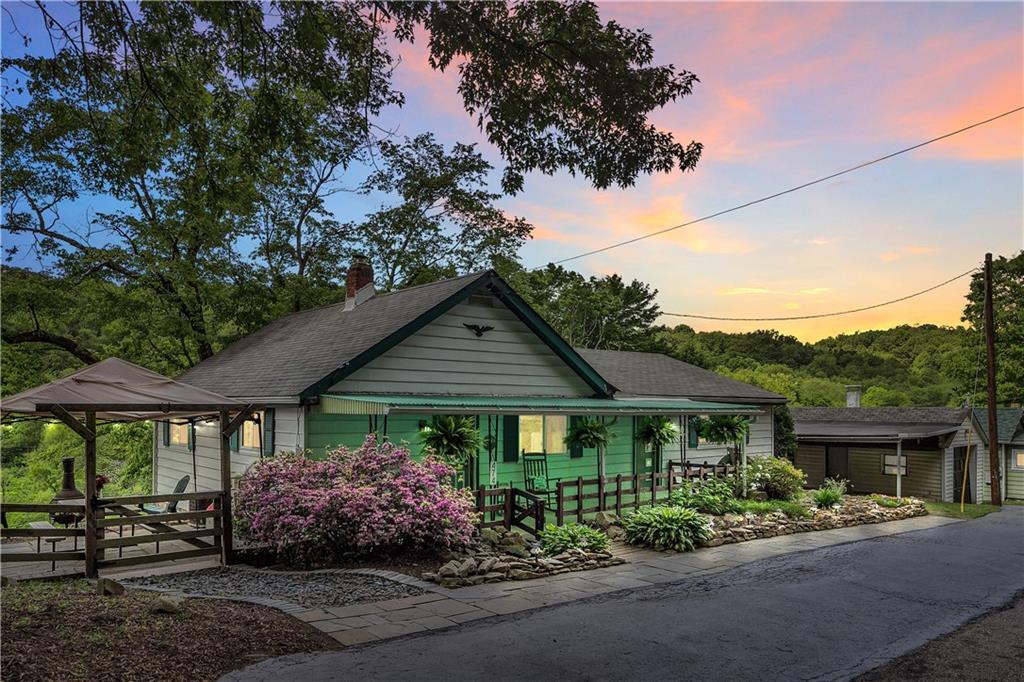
[(837, 462), (959, 464)]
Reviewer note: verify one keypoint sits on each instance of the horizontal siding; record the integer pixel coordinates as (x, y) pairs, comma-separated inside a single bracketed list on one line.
[(923, 479), (1014, 477), (446, 358), (811, 460), (174, 461)]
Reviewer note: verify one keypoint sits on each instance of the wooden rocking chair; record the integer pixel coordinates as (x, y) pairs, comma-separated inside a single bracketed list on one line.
[(535, 476)]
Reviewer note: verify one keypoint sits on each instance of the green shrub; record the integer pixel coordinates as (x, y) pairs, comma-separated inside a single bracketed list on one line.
[(793, 510), (712, 496), (830, 493), (665, 527), (557, 539), (891, 502), (777, 477)]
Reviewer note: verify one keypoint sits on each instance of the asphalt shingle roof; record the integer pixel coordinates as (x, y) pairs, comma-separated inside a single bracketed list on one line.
[(875, 422), (654, 374), (294, 352), (1008, 420)]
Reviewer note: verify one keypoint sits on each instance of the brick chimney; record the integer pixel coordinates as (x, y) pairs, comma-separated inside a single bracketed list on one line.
[(358, 281), (853, 395)]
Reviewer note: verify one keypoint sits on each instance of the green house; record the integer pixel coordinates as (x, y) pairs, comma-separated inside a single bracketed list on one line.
[(386, 363)]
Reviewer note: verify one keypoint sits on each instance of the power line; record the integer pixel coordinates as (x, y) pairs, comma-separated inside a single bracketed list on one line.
[(814, 317), (779, 194)]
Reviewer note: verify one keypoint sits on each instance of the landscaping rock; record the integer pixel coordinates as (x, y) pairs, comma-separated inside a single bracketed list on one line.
[(165, 603), (449, 569), (491, 536), (105, 587), (605, 520), (466, 568)]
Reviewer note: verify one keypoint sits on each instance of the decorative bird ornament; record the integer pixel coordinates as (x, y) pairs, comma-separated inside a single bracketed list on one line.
[(476, 328)]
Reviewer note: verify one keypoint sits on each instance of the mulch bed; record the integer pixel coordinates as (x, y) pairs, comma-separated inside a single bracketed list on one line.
[(64, 631), (415, 565)]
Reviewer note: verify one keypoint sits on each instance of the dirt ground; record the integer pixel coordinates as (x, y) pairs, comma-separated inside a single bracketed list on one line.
[(990, 647), (64, 631)]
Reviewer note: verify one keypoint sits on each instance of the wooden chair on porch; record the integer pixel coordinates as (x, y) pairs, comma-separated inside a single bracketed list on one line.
[(535, 476)]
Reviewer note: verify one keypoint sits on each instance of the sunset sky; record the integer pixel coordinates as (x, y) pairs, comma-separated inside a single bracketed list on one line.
[(788, 93)]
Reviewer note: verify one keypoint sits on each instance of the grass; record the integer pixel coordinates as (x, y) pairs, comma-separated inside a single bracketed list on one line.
[(952, 509), (63, 630)]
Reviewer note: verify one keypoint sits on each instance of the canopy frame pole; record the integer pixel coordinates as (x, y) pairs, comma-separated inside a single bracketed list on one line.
[(90, 495), (228, 426)]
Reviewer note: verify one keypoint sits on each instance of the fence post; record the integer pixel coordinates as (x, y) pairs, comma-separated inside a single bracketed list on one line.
[(539, 515), (560, 502), (508, 508), (670, 477), (654, 488), (600, 493), (618, 494), (636, 491), (579, 499)]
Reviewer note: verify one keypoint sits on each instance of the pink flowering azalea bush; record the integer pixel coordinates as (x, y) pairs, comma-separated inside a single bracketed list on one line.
[(372, 500)]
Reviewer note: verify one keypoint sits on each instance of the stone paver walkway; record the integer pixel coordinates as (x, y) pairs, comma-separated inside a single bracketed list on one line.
[(444, 608)]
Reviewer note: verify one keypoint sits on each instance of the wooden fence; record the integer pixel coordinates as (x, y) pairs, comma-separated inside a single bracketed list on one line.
[(510, 508), (119, 513), (578, 497)]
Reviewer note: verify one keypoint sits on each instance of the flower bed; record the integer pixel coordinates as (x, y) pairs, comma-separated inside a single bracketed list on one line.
[(506, 555), (854, 511)]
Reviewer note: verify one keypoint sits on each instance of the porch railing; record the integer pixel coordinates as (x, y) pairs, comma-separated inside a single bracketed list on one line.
[(510, 508), (577, 498), (119, 513)]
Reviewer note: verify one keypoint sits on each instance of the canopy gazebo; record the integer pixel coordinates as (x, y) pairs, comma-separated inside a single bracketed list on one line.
[(114, 390)]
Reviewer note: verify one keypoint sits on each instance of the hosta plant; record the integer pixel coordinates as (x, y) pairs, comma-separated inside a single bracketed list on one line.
[(666, 527), (711, 496), (557, 539)]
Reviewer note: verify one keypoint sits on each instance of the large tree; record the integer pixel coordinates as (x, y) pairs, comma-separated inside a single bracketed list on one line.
[(1008, 306), (214, 133)]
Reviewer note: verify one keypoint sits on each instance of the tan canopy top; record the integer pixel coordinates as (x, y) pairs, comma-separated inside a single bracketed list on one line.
[(117, 390)]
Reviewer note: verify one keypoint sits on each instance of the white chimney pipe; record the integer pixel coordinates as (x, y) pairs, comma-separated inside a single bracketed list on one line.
[(853, 395)]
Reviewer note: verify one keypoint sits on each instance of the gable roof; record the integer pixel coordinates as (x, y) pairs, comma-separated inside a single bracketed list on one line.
[(865, 423), (1008, 420), (654, 374), (303, 354)]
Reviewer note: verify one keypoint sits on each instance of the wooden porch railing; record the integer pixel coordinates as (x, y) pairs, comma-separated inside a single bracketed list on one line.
[(118, 512), (576, 498), (511, 508)]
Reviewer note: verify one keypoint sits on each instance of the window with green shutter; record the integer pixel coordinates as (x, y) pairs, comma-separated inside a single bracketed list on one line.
[(692, 432), (510, 439), (167, 433), (268, 431), (575, 450), (234, 441)]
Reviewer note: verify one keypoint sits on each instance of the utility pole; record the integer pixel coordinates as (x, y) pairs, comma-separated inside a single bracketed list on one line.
[(990, 352)]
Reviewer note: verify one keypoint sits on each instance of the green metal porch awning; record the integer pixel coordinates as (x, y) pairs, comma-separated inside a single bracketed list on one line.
[(451, 404)]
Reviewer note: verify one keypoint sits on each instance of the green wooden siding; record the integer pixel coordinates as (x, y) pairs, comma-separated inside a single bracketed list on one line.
[(327, 431)]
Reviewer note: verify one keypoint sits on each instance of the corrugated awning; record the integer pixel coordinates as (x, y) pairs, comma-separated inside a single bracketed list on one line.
[(450, 404), (870, 431)]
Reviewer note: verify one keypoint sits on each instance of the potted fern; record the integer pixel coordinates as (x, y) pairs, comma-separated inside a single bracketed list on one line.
[(656, 433), (590, 432), (454, 439), (732, 430)]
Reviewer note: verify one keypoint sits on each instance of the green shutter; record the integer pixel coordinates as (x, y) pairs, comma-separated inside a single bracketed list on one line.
[(167, 433), (692, 434), (268, 431), (574, 450), (510, 439), (234, 439), (191, 435)]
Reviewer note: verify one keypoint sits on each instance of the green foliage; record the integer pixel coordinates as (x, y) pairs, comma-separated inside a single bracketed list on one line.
[(594, 312), (889, 501), (123, 454), (714, 496), (656, 432), (557, 539), (588, 432), (793, 510), (723, 428), (1008, 303), (785, 432), (777, 477), (454, 439), (830, 494), (680, 529), (878, 396)]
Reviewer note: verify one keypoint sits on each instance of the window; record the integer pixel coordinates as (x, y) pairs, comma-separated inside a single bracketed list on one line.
[(1018, 459), (251, 432), (543, 433), (889, 464), (178, 434)]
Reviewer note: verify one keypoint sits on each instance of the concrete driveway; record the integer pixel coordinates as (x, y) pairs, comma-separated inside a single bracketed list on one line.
[(822, 614)]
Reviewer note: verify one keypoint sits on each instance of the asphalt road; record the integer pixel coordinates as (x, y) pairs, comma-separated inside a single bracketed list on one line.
[(825, 614)]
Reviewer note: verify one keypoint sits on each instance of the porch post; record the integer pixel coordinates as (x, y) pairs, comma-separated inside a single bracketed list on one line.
[(90, 495), (899, 459), (226, 548)]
